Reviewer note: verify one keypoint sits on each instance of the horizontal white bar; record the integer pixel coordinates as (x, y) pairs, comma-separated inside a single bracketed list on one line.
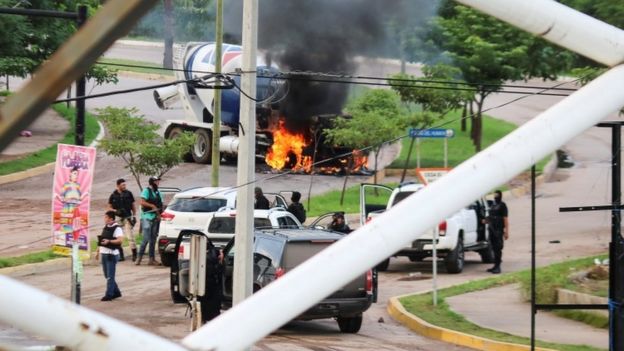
[(561, 25), (70, 325)]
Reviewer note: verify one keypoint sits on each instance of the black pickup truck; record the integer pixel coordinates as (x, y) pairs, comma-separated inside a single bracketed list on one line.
[(276, 251)]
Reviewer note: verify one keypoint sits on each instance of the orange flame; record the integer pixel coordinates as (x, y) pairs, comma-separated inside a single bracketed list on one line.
[(285, 146), (359, 160)]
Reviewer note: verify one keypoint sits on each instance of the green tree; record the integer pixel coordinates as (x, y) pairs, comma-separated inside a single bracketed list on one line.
[(376, 118), (34, 39), (438, 93), (136, 141), (489, 52)]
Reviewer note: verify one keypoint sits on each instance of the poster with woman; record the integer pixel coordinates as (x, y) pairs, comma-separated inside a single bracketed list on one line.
[(73, 177)]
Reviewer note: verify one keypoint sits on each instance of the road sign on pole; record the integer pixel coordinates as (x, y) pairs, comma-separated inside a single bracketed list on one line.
[(431, 133), (445, 134)]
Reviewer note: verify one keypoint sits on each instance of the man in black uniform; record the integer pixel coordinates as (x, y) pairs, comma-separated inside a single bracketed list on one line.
[(339, 224), (296, 208), (122, 202), (499, 229), (211, 301), (262, 203)]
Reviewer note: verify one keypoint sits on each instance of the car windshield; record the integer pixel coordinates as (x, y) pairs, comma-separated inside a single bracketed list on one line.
[(225, 225), (401, 196), (196, 204)]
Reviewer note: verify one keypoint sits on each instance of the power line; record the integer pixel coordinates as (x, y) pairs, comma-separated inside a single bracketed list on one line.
[(340, 78), (389, 141), (232, 84)]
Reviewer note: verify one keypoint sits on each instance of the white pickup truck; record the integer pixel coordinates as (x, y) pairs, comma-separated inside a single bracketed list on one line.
[(463, 231)]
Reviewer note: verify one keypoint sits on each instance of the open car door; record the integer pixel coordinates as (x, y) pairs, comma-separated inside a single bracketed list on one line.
[(373, 198), (179, 270)]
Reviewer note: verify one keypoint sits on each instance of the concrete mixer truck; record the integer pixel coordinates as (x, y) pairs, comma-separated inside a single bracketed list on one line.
[(196, 60)]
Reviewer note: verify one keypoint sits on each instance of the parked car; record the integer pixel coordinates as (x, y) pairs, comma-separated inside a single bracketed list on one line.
[(275, 252), (190, 209), (221, 224), (462, 231), (193, 209)]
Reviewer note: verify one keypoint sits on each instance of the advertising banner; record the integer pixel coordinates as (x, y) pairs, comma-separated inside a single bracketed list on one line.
[(73, 176)]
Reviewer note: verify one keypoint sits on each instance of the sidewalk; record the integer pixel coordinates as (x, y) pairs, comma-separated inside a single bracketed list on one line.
[(46, 130), (504, 309)]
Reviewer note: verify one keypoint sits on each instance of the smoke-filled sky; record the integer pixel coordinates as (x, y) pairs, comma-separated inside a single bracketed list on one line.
[(324, 36)]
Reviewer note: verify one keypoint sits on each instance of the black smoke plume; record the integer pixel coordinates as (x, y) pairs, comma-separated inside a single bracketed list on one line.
[(322, 36)]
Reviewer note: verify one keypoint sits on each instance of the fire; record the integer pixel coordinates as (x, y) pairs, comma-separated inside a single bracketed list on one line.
[(359, 160), (287, 149), (355, 163)]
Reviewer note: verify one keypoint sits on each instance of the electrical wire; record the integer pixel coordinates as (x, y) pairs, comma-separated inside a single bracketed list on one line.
[(293, 75), (201, 80), (233, 84), (379, 145)]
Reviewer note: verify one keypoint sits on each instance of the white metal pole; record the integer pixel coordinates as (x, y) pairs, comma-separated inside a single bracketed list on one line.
[(340, 263), (561, 25), (435, 265), (70, 325), (417, 152), (246, 158), (445, 152), (75, 272)]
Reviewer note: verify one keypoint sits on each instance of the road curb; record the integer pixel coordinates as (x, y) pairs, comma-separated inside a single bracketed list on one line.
[(37, 268), (401, 315), (48, 167)]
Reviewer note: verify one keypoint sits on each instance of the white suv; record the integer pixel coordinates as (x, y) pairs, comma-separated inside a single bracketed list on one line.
[(190, 209), (221, 225)]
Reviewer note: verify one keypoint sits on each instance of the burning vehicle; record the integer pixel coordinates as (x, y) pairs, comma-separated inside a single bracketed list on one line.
[(284, 141)]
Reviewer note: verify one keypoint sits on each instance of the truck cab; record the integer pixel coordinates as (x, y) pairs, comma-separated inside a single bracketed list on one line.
[(461, 232)]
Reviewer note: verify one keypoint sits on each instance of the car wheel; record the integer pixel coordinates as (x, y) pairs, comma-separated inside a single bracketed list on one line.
[(350, 324), (487, 254), (176, 132), (455, 259), (203, 145), (383, 265), (166, 259)]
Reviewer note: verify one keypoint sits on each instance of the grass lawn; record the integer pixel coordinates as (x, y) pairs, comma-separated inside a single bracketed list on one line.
[(35, 257), (48, 155), (442, 316), (148, 67), (460, 147), (330, 201)]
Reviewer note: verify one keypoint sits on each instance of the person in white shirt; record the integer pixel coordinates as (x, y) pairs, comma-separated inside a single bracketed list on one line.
[(109, 243)]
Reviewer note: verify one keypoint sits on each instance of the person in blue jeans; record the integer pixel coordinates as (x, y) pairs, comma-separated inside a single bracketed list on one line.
[(109, 243), (151, 207)]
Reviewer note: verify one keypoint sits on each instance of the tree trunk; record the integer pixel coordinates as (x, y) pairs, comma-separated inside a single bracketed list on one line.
[(464, 116), (169, 29), (473, 117), (478, 127), (344, 184), (376, 158)]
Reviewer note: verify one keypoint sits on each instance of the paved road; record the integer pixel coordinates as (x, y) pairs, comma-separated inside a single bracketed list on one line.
[(579, 235)]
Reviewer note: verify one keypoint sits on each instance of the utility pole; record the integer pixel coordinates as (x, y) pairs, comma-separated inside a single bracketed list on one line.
[(76, 269), (80, 87), (216, 122), (245, 176)]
